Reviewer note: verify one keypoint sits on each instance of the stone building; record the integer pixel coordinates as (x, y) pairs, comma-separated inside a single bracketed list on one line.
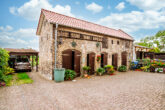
[(79, 43)]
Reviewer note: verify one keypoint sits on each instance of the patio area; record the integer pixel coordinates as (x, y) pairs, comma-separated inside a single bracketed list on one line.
[(132, 90)]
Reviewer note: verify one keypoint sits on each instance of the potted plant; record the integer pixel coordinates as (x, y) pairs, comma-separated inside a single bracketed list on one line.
[(100, 71), (109, 69), (122, 68), (159, 70), (70, 74), (98, 58), (86, 70)]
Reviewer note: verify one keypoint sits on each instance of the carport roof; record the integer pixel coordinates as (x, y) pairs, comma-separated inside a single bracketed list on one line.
[(12, 50)]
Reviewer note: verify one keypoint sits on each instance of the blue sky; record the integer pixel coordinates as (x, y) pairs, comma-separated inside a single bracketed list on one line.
[(19, 18)]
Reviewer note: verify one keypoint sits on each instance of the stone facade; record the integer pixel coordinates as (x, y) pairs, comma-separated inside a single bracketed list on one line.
[(84, 46)]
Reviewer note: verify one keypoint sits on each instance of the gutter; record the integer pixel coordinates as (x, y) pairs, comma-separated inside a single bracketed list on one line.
[(55, 44)]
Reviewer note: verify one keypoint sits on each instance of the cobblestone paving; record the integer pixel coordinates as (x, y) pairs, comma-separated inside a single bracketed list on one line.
[(124, 91)]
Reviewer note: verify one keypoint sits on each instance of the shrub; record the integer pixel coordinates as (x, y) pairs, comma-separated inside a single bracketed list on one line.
[(4, 68), (100, 71), (70, 74), (122, 68), (145, 68), (109, 69), (86, 69)]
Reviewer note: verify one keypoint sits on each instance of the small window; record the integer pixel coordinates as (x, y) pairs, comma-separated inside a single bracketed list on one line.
[(112, 41), (104, 43), (118, 42)]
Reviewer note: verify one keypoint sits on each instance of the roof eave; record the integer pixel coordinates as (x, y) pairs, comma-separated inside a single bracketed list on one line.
[(92, 31)]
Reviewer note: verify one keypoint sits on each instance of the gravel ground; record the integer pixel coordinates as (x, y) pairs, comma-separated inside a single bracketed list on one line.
[(124, 91)]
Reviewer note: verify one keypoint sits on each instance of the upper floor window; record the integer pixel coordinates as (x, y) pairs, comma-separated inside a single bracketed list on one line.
[(118, 42), (105, 43), (127, 44)]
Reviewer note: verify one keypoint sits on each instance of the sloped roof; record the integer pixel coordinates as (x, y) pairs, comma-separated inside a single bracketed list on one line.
[(12, 50), (54, 18)]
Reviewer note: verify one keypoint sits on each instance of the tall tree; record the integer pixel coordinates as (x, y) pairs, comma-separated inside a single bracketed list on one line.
[(157, 42)]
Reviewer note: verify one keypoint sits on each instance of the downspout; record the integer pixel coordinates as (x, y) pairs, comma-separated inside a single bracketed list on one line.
[(55, 44)]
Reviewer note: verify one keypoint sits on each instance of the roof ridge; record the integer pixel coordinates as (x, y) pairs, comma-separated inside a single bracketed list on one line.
[(78, 19)]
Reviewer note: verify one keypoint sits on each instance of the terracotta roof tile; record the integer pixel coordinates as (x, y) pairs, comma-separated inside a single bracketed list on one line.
[(84, 25)]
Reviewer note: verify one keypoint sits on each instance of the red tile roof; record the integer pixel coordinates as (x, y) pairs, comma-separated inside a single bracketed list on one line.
[(53, 17), (12, 50)]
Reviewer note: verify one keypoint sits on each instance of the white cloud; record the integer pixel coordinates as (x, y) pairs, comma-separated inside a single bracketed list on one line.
[(95, 8), (148, 4), (31, 9), (120, 6), (135, 20), (7, 28), (21, 38)]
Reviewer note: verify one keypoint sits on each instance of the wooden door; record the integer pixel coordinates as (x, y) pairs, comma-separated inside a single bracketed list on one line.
[(115, 61), (91, 62), (124, 58), (77, 56), (104, 58), (67, 59)]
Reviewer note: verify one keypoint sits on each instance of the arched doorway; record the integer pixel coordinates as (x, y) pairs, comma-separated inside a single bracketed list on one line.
[(71, 60), (91, 62), (115, 61), (104, 58), (124, 58)]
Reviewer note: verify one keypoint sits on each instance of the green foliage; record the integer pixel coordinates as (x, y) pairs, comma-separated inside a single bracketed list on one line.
[(109, 69), (145, 68), (69, 74), (122, 68), (157, 42), (155, 49), (4, 68), (100, 71), (18, 79), (86, 68), (22, 76)]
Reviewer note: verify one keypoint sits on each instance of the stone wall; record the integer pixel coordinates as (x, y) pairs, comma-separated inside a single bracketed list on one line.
[(46, 46), (86, 47), (45, 50)]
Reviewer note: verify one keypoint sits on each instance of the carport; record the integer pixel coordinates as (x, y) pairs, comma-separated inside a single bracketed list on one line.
[(24, 52)]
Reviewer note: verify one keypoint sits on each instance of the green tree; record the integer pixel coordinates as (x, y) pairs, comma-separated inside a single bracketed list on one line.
[(4, 68), (157, 42)]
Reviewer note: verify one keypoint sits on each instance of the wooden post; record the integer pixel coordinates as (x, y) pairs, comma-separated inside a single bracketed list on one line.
[(32, 63), (37, 63)]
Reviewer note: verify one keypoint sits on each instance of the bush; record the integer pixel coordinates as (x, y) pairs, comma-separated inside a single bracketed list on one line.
[(69, 74), (100, 71), (109, 69), (86, 69), (4, 68), (122, 68)]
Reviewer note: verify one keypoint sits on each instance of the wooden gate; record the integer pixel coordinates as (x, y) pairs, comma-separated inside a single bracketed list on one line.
[(91, 62), (124, 58), (104, 58), (71, 60), (115, 61)]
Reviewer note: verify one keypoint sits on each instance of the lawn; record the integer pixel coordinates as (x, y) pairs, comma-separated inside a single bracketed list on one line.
[(18, 79)]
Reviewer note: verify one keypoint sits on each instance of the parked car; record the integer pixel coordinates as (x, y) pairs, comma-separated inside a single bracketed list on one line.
[(22, 64)]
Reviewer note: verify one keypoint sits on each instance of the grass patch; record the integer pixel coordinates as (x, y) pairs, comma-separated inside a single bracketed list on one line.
[(18, 79)]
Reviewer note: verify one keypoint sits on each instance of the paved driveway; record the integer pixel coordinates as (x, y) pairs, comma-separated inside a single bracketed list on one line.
[(124, 91)]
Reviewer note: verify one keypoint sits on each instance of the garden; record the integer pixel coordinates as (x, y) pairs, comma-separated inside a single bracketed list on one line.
[(8, 77), (148, 65)]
